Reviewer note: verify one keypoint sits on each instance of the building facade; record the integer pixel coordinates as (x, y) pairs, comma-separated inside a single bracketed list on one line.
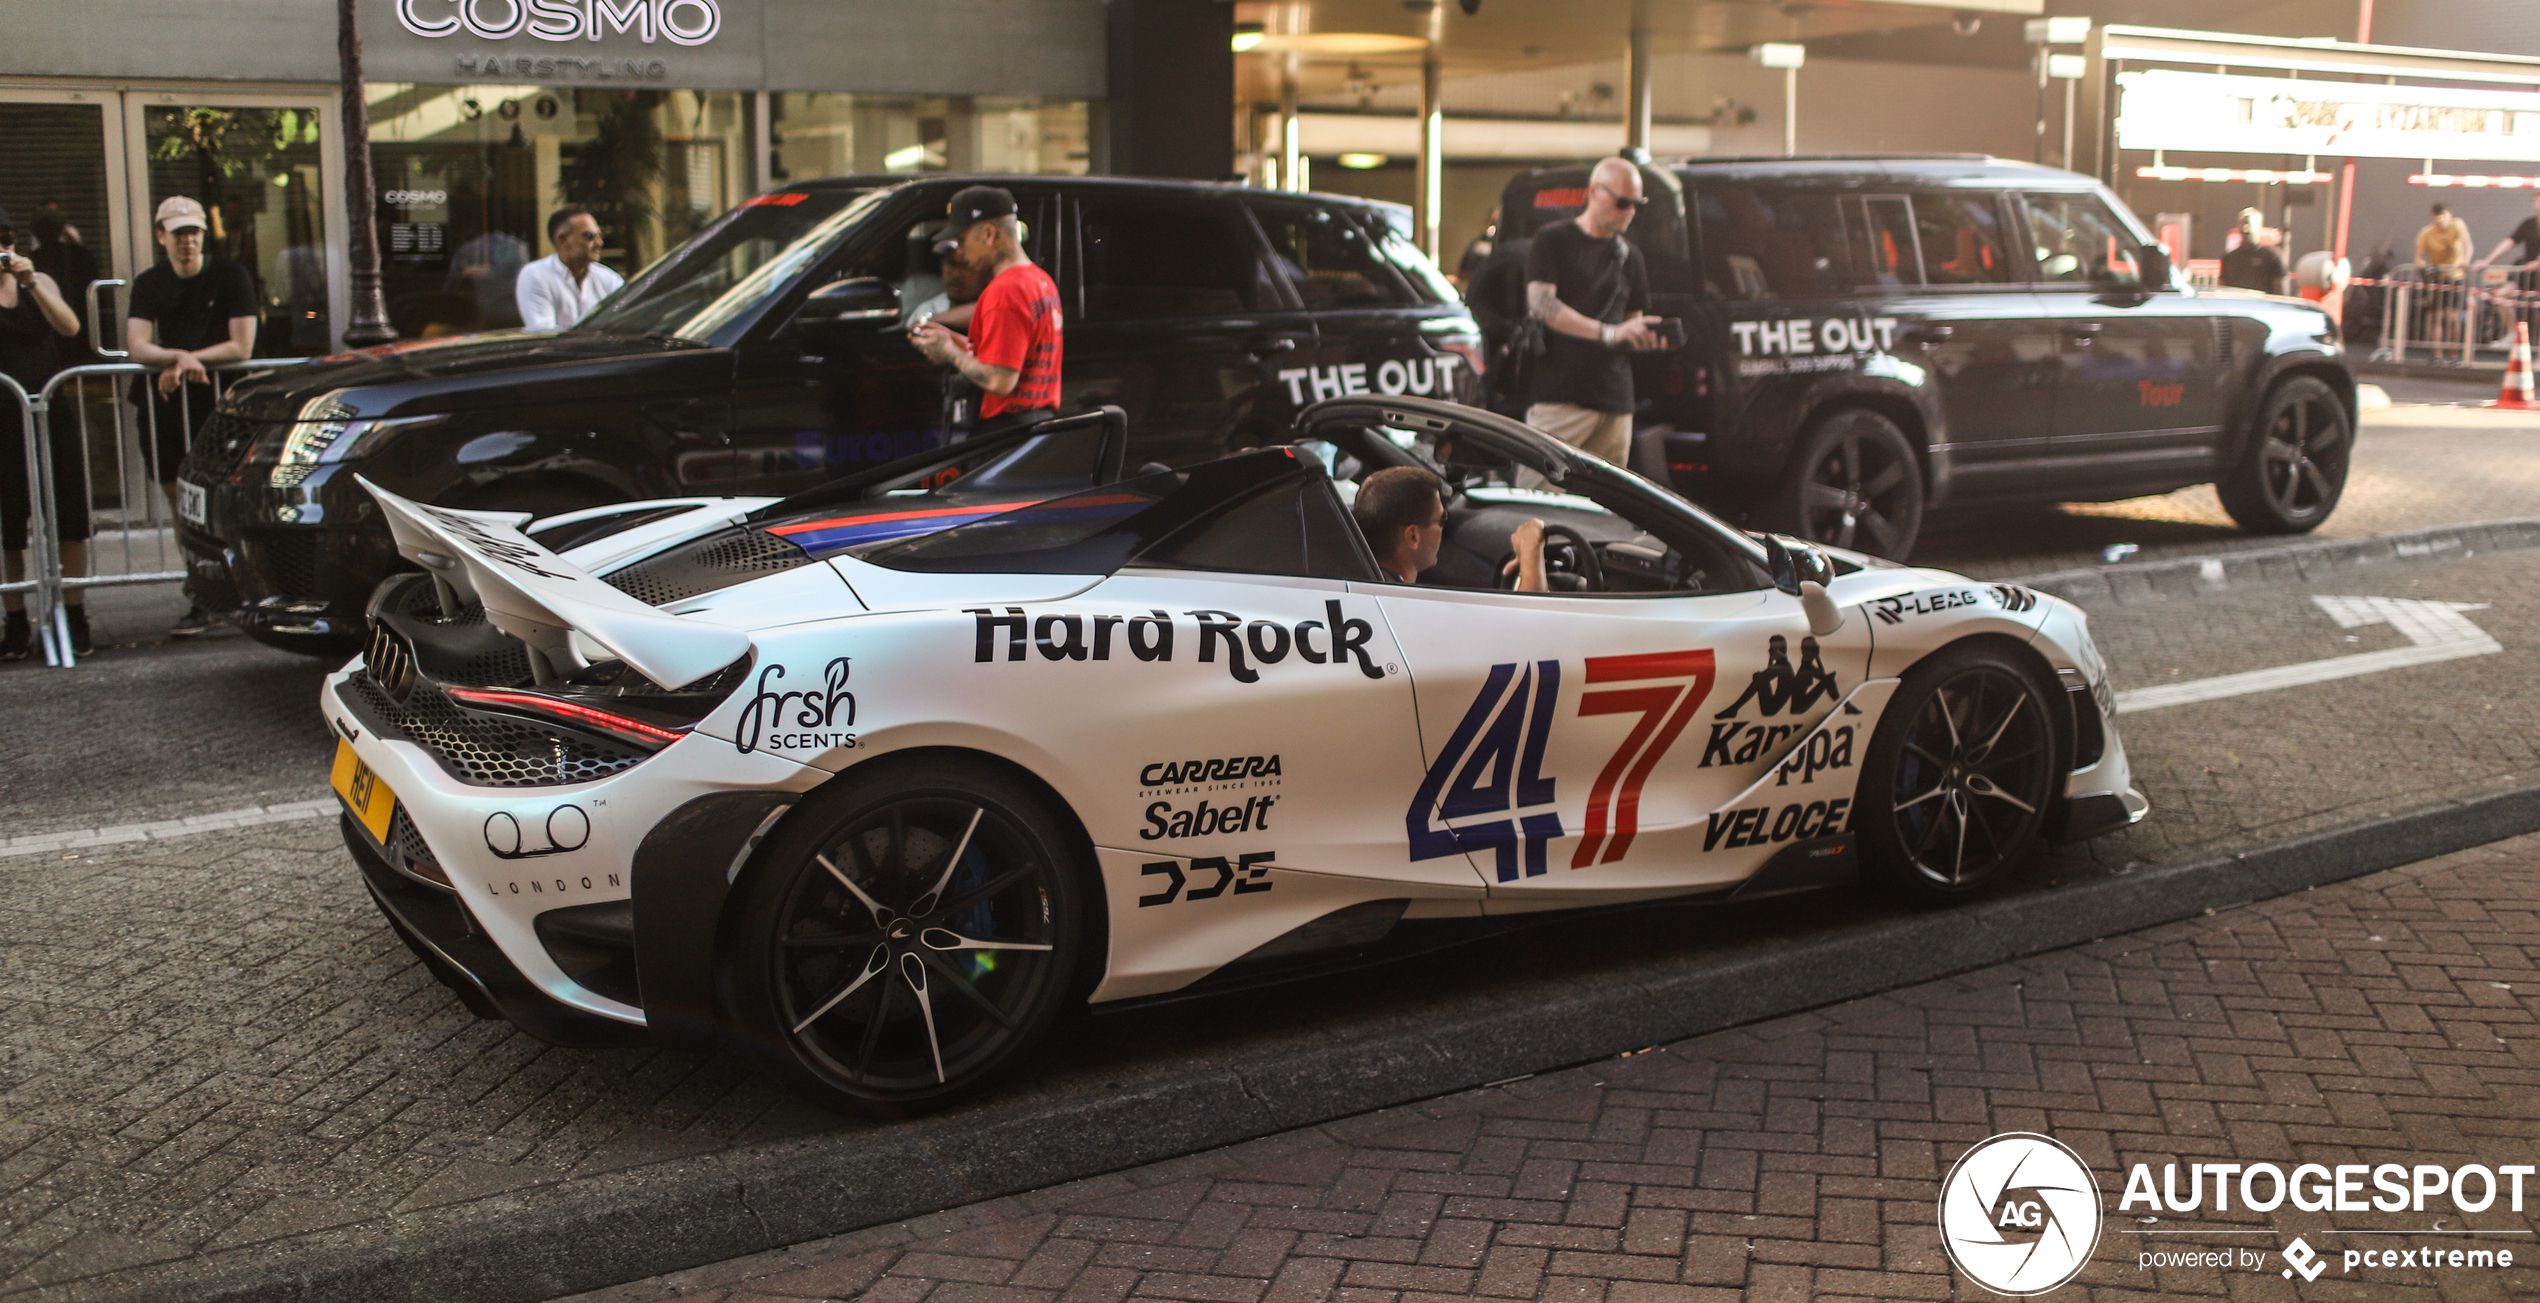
[(487, 115)]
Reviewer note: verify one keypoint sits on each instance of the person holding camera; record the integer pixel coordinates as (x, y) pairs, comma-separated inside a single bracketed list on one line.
[(34, 319), (1589, 288)]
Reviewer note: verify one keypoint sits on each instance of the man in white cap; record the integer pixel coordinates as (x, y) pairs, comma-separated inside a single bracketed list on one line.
[(192, 312)]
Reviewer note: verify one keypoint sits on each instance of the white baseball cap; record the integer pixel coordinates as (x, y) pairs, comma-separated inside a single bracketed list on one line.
[(176, 212)]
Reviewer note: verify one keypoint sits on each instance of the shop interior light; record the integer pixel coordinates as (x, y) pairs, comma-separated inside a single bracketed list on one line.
[(1246, 40), (2259, 176), (2057, 31), (2069, 67), (1364, 161), (1779, 54), (2476, 182)]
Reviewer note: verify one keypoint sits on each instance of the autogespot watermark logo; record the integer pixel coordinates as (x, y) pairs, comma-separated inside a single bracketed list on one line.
[(2019, 1213)]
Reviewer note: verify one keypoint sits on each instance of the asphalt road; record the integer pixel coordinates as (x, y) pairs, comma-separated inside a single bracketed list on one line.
[(213, 1041)]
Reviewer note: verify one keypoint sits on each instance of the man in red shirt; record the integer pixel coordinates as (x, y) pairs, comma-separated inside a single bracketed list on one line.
[(1013, 349)]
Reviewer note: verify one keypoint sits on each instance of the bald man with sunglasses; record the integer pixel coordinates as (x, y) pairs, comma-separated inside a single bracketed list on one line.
[(1589, 288)]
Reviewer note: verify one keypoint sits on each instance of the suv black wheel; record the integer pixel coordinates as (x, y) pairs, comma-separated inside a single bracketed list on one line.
[(1857, 485), (2295, 469), (1958, 777), (908, 936)]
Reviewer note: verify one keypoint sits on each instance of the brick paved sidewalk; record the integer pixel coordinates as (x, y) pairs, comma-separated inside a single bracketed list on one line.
[(2389, 1019)]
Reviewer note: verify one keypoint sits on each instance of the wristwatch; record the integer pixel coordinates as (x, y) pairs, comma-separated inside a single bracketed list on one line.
[(1605, 333)]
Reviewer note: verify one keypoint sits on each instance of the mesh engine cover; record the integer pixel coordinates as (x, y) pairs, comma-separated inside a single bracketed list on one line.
[(714, 562)]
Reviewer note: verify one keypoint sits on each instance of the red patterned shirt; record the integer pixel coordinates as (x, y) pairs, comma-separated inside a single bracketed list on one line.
[(1017, 324)]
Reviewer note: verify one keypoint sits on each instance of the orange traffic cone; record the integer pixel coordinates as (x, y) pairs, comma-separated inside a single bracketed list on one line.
[(2517, 394)]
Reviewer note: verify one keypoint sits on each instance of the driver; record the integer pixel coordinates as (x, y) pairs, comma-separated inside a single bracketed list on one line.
[(1402, 511)]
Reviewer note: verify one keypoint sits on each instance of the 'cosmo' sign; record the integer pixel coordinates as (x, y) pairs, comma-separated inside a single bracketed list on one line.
[(681, 22)]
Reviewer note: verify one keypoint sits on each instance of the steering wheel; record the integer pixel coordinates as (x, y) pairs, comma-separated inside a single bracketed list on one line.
[(1569, 563)]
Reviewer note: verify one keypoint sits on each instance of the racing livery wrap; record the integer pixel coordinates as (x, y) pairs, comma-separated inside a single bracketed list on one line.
[(878, 779)]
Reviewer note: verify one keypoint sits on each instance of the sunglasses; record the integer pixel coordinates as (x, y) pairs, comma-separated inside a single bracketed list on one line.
[(1624, 200)]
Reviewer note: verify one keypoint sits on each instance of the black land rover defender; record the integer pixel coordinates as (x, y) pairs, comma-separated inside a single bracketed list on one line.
[(768, 354), (1873, 338)]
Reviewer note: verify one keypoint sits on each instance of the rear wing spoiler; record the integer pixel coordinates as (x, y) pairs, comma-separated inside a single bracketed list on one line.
[(544, 600)]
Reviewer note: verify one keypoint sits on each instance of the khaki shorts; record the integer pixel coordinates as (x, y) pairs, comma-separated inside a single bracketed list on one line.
[(1603, 434)]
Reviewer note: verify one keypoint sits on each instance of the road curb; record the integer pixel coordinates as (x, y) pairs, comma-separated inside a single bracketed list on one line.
[(544, 1242), (2188, 577)]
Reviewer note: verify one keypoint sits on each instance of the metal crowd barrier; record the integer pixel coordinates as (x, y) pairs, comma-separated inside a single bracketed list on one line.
[(133, 526), (2448, 320)]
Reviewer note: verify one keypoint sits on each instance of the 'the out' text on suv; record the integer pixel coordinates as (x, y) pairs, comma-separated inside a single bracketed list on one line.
[(1872, 338), (768, 354)]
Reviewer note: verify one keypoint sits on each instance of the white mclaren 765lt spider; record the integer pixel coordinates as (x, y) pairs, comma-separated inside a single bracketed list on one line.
[(876, 781)]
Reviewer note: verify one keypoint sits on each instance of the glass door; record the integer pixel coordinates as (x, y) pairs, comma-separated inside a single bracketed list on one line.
[(264, 167), (64, 191)]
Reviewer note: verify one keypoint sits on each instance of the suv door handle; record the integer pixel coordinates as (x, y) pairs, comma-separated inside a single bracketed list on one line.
[(1931, 334), (2082, 330), (1261, 346)]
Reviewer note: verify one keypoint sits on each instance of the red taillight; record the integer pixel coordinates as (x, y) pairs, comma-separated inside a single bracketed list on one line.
[(1467, 348), (570, 712)]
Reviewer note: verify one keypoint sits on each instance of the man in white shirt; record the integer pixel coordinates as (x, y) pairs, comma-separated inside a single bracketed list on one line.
[(560, 289)]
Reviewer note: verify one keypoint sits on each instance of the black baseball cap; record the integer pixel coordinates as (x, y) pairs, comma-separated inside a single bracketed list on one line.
[(977, 203)]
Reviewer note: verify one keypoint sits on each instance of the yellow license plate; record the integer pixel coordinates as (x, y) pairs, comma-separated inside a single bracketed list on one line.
[(369, 798)]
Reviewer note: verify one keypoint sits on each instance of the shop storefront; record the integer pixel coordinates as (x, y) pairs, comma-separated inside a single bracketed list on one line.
[(487, 115)]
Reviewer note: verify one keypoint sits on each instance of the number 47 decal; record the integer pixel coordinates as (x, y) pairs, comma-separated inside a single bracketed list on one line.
[(1492, 763)]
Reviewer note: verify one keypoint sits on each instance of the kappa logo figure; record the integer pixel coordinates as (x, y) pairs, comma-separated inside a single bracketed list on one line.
[(2019, 1213), (1779, 686)]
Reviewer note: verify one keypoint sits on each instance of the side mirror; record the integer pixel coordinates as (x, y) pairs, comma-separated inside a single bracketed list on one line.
[(1803, 571), (2155, 260), (864, 299)]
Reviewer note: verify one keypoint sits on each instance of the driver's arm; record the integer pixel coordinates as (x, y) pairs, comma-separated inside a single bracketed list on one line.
[(1527, 541)]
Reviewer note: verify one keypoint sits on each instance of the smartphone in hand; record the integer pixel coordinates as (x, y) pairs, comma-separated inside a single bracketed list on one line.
[(1670, 332)]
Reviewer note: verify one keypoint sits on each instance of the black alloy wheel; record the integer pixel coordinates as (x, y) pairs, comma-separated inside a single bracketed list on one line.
[(1858, 486), (908, 937), (2294, 471), (1959, 776)]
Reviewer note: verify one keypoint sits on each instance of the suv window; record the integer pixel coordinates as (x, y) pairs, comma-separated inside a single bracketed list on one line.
[(1932, 238), (1768, 243), (1149, 256), (2078, 239), (1962, 238), (1327, 258)]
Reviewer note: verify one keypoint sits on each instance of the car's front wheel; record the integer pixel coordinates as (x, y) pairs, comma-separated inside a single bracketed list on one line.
[(908, 936), (1857, 484), (2295, 468), (1959, 774)]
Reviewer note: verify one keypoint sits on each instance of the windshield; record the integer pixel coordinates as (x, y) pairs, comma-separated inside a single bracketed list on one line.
[(732, 267)]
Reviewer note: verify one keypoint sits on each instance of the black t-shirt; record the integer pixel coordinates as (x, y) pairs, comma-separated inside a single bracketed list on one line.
[(1601, 279), (194, 312), (2528, 236), (2253, 266)]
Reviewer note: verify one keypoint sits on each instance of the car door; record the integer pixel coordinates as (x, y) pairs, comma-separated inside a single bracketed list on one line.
[(819, 397), (1945, 268), (1179, 321), (2139, 402), (1581, 746), (1369, 316)]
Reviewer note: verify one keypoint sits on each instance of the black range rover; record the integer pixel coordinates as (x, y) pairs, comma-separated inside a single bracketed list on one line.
[(1872, 338), (767, 355)]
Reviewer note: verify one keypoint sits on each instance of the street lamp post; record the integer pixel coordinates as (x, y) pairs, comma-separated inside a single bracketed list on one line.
[(1790, 57), (2044, 34), (370, 307)]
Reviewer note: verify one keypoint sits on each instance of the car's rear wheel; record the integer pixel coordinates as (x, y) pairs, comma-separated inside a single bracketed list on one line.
[(2294, 471), (1856, 485), (908, 936), (1955, 787)]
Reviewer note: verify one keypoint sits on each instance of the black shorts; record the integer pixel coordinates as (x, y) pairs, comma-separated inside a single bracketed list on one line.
[(179, 416), (70, 474)]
